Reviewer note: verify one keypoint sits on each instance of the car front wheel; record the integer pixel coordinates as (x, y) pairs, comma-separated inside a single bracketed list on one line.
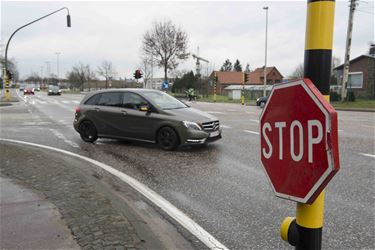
[(167, 138), (88, 132)]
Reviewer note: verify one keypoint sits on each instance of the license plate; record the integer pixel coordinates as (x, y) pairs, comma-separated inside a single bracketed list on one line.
[(215, 133)]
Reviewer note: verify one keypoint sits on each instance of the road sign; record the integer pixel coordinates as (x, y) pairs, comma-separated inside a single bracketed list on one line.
[(299, 148), (165, 85)]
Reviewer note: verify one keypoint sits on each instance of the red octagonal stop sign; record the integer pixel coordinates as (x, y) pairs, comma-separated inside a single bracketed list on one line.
[(299, 148)]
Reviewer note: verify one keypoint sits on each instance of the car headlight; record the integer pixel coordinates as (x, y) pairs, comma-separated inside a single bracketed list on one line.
[(59, 90), (49, 90), (192, 125), (258, 99)]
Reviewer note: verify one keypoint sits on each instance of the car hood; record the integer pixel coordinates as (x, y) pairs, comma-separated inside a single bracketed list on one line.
[(191, 114)]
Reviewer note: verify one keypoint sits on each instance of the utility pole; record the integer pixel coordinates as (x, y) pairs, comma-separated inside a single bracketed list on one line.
[(347, 51), (265, 55), (58, 68)]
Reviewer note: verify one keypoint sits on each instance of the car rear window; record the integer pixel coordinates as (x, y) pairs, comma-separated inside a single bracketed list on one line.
[(113, 99), (93, 100)]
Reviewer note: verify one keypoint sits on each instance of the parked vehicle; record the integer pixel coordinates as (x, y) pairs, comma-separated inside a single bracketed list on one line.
[(143, 115), (261, 101), (54, 90), (28, 91)]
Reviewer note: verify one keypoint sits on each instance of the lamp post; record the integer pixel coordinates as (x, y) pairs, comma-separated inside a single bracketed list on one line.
[(58, 67), (265, 55), (7, 97)]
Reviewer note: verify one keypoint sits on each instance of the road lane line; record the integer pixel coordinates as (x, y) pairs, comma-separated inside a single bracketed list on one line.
[(62, 137), (253, 120), (210, 241), (368, 155), (214, 112), (224, 126), (251, 132)]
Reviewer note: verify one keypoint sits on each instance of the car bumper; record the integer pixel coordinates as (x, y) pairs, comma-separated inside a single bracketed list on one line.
[(196, 137)]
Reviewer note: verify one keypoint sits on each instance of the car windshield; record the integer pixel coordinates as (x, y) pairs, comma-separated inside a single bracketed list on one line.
[(53, 87), (164, 101)]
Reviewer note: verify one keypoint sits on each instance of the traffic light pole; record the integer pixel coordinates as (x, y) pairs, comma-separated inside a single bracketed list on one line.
[(7, 95), (305, 231), (243, 89)]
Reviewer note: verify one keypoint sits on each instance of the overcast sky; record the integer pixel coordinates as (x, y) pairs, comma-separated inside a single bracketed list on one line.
[(113, 31)]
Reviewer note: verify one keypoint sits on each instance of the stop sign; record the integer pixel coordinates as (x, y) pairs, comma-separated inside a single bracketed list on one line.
[(299, 148)]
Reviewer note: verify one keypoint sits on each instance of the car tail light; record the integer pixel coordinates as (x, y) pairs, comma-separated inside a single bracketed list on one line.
[(78, 110)]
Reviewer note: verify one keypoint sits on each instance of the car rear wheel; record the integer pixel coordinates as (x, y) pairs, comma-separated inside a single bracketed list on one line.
[(167, 138), (88, 131)]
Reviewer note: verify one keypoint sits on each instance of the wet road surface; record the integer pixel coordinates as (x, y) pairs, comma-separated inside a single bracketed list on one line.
[(221, 186)]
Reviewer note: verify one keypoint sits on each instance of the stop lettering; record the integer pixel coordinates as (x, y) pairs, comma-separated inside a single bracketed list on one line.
[(299, 149)]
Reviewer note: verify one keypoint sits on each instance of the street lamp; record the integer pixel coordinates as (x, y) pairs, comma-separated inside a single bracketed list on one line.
[(68, 23), (265, 55), (58, 68)]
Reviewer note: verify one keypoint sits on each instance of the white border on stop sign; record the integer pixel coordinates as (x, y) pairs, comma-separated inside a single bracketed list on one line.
[(330, 167)]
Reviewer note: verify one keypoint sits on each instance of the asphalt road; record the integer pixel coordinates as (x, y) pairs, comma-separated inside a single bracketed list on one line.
[(221, 186)]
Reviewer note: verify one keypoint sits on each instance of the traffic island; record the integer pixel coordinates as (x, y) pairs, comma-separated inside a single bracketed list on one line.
[(95, 215)]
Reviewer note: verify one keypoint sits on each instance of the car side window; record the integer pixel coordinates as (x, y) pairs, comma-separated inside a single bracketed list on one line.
[(133, 101), (93, 100), (113, 99)]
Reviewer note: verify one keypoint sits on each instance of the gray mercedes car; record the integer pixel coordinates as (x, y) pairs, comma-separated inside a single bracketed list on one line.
[(143, 115)]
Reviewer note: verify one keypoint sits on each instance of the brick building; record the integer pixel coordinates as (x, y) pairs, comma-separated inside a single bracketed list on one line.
[(361, 76), (256, 77)]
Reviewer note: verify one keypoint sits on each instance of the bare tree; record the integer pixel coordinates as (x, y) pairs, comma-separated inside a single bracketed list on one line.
[(167, 44), (78, 75), (146, 68), (107, 71), (298, 72), (90, 75)]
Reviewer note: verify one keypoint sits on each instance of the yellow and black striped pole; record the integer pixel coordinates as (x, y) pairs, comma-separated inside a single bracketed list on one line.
[(305, 231)]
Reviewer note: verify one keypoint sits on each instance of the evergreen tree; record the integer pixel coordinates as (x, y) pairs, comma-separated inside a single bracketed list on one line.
[(237, 66), (227, 66)]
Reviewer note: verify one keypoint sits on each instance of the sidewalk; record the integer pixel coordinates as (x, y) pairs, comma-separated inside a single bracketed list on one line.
[(29, 221), (52, 201)]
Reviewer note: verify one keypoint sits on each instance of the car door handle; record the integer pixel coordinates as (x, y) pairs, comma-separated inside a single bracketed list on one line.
[(124, 112), (97, 109)]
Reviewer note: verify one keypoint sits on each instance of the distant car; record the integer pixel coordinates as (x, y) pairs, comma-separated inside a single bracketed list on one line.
[(54, 90), (37, 89), (21, 89), (143, 115), (261, 101), (28, 91)]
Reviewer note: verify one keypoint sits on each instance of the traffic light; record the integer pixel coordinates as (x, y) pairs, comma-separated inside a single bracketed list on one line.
[(137, 74), (9, 75), (246, 77)]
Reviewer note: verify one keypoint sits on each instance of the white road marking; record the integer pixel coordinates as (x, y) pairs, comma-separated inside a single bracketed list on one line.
[(248, 112), (62, 137), (41, 102), (251, 132), (253, 120), (214, 112), (368, 155), (65, 101), (35, 123), (368, 126), (224, 126), (158, 200)]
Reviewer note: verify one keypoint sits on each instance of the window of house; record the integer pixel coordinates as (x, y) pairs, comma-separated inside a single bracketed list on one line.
[(355, 80)]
